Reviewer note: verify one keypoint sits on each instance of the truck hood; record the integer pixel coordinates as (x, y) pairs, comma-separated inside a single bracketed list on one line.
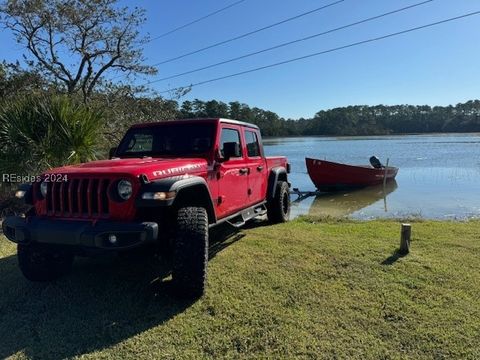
[(153, 168)]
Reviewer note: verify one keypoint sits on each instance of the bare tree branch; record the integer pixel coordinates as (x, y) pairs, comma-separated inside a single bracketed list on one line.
[(77, 42), (53, 55)]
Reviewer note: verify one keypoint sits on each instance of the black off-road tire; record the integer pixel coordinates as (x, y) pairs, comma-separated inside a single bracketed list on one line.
[(42, 263), (190, 252), (278, 207)]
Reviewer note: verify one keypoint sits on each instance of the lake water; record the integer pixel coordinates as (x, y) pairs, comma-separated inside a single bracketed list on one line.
[(439, 176)]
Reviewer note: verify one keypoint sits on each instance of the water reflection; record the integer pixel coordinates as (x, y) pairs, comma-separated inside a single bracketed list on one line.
[(341, 204)]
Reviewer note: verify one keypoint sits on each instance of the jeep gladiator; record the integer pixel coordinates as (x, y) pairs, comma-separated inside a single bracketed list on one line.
[(166, 184)]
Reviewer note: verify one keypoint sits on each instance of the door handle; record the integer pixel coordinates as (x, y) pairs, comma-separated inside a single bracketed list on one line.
[(260, 168), (243, 171)]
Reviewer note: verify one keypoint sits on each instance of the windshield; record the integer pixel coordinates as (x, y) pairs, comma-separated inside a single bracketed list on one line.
[(174, 139)]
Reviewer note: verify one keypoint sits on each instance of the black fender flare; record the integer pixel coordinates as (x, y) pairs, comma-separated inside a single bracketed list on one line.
[(277, 174), (181, 185)]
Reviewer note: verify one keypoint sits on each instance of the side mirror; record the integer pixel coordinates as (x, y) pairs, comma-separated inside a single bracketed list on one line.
[(112, 152), (231, 150)]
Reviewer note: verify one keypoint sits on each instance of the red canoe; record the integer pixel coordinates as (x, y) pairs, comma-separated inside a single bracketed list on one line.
[(331, 176)]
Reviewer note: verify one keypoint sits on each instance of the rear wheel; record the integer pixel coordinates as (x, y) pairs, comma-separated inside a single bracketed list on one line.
[(190, 252), (41, 263), (278, 207)]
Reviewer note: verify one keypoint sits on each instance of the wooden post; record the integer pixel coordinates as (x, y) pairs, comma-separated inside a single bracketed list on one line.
[(405, 239), (385, 174)]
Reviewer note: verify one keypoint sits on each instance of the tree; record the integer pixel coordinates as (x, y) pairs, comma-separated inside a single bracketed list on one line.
[(214, 108), (122, 108), (37, 133), (186, 110), (15, 81), (75, 42)]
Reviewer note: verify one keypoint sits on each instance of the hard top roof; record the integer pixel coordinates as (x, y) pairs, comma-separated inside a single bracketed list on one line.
[(228, 121)]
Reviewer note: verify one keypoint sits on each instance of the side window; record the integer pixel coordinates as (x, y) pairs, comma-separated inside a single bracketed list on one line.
[(253, 149), (230, 135)]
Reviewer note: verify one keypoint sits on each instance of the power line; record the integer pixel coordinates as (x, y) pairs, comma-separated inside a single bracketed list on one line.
[(186, 25), (195, 21), (291, 42), (249, 33), (326, 51)]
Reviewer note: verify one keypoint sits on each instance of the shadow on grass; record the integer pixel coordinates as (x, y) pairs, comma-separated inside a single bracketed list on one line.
[(257, 223), (102, 302), (392, 259), (222, 237)]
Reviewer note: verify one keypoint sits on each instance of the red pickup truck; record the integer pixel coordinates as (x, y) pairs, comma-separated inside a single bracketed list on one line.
[(166, 183)]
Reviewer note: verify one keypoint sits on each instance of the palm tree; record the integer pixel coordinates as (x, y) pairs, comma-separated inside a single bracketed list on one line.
[(37, 133)]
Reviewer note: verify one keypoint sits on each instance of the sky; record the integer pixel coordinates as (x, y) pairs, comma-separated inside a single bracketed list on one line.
[(434, 66)]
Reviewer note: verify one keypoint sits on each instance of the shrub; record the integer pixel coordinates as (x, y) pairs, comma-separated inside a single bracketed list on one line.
[(37, 133)]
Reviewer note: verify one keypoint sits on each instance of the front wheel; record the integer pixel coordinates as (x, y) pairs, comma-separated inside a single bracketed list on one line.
[(41, 263), (190, 252), (278, 207)]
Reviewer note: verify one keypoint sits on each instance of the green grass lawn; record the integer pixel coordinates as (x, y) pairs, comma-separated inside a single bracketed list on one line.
[(303, 289)]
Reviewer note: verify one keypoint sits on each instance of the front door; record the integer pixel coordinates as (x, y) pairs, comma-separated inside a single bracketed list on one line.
[(232, 175)]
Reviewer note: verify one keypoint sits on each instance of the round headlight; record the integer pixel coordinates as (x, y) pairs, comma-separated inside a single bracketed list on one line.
[(43, 188), (124, 188)]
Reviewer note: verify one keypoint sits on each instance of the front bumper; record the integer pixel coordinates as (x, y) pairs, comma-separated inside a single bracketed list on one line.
[(79, 233)]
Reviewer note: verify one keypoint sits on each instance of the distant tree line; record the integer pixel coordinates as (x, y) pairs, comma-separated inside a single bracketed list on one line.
[(351, 120), (269, 122)]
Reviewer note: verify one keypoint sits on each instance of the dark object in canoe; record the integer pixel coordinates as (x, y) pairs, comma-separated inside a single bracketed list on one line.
[(331, 176), (375, 162)]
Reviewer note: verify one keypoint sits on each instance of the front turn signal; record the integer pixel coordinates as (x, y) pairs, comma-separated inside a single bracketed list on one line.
[(159, 195)]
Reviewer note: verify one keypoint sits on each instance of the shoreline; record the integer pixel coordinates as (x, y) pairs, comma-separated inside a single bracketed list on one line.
[(369, 136)]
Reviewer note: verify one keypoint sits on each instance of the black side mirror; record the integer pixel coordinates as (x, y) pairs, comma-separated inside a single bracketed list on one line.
[(112, 152), (231, 150)]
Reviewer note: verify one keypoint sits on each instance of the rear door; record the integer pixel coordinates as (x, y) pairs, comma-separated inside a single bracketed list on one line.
[(232, 175), (257, 169)]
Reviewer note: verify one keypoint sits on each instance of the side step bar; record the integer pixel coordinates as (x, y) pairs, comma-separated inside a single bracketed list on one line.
[(239, 219)]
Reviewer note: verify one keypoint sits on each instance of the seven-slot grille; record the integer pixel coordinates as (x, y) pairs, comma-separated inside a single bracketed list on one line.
[(83, 197)]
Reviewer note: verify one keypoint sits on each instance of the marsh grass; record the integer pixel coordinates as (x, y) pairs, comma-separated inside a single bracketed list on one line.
[(305, 289)]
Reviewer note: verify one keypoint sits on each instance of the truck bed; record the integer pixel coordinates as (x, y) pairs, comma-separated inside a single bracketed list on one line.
[(274, 161)]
